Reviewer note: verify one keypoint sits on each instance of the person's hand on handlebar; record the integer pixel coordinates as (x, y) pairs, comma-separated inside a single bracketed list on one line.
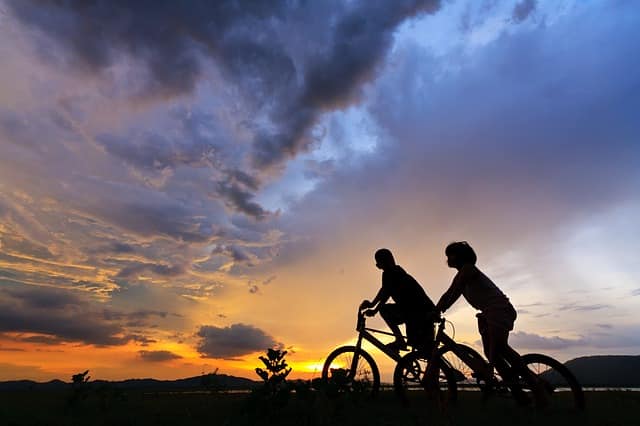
[(365, 305)]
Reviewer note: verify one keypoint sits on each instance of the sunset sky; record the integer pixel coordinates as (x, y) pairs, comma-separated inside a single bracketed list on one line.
[(185, 184)]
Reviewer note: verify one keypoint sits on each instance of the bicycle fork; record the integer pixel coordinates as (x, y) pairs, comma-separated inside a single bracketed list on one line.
[(356, 355)]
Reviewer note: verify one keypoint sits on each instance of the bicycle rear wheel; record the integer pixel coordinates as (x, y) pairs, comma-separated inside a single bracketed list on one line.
[(561, 388), (339, 371), (409, 372)]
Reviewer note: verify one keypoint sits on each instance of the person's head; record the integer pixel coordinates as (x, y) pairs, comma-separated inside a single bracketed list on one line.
[(460, 253), (384, 259)]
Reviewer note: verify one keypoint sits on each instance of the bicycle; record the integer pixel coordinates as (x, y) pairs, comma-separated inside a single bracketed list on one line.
[(461, 365), (353, 367)]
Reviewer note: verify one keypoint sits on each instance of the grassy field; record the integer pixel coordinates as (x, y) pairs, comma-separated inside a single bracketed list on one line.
[(176, 409)]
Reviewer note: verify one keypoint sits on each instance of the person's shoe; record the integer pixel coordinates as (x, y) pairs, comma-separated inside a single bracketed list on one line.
[(396, 346)]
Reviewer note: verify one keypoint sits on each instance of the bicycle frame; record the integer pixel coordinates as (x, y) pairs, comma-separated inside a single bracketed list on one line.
[(444, 343), (365, 333)]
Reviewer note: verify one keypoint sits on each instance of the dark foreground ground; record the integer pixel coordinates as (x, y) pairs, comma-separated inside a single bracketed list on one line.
[(177, 409)]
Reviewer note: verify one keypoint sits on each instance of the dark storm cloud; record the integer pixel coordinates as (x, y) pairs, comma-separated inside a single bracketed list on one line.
[(158, 356), (57, 316), (239, 199), (45, 298), (360, 39), (85, 327), (523, 9), (168, 37), (233, 341), (250, 41), (518, 132)]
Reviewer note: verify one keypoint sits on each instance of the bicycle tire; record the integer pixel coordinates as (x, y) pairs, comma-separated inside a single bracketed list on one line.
[(464, 374), (409, 372), (556, 379), (365, 378)]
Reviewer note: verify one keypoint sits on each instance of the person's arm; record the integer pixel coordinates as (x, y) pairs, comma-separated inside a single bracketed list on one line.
[(380, 298), (452, 294)]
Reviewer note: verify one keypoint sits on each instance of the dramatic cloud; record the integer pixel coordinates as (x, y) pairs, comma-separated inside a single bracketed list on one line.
[(56, 316), (158, 356), (233, 341), (523, 9), (290, 87), (452, 159)]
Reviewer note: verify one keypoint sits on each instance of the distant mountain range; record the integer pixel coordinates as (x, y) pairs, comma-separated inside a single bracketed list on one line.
[(619, 371), (611, 371), (218, 382)]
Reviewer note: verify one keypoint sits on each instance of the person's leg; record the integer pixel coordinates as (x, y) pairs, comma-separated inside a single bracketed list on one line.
[(506, 361), (483, 328), (391, 315), (519, 367)]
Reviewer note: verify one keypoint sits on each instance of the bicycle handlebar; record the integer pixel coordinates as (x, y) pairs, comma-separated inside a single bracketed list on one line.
[(436, 317)]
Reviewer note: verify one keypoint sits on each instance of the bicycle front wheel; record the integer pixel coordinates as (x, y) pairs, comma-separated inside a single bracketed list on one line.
[(361, 376), (463, 371), (409, 373), (560, 386)]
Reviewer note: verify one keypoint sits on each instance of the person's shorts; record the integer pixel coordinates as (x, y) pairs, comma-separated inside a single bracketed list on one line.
[(497, 318), (419, 326)]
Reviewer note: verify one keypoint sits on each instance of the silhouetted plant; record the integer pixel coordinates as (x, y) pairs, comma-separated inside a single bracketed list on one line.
[(267, 400), (79, 387), (210, 381), (80, 378), (277, 369)]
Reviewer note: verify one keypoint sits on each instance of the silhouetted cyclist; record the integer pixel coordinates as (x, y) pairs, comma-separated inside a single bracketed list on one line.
[(497, 314), (412, 306)]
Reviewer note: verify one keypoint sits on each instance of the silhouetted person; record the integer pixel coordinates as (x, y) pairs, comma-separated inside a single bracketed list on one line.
[(496, 317), (412, 306)]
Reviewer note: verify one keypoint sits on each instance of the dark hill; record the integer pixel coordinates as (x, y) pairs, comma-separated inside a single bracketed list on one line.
[(607, 370), (218, 382)]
